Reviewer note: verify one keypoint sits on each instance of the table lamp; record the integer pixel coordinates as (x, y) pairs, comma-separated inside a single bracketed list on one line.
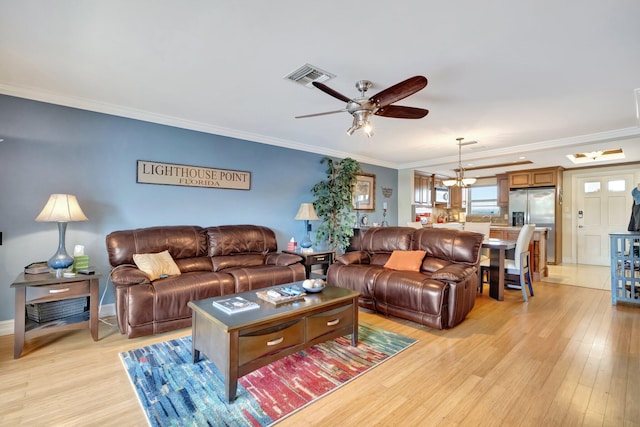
[(61, 208), (306, 213)]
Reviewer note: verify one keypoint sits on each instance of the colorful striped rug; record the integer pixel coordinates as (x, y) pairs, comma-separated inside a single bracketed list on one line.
[(173, 391)]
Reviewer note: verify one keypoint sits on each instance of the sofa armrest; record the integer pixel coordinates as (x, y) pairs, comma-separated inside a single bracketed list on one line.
[(355, 257), (128, 275), (274, 258), (454, 273)]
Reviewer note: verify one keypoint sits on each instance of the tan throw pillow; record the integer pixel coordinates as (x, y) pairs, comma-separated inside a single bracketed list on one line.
[(405, 260), (156, 265)]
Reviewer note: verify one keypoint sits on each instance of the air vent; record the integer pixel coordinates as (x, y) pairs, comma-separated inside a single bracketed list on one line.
[(307, 74)]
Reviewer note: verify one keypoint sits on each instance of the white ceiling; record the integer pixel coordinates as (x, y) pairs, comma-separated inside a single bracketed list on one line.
[(537, 79)]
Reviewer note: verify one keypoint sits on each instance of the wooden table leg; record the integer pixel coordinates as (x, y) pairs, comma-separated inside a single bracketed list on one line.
[(354, 334), (195, 353), (496, 274), (231, 367), (501, 275), (94, 285), (19, 322)]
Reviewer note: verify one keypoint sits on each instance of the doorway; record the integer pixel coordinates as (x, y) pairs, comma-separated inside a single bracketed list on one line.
[(603, 206)]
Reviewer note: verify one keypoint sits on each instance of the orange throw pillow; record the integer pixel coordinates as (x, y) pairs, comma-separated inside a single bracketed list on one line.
[(405, 260)]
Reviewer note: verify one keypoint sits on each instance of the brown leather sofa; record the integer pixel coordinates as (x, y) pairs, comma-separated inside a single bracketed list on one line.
[(213, 261), (440, 295)]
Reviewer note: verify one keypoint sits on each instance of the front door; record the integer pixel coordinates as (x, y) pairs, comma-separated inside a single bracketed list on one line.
[(603, 207)]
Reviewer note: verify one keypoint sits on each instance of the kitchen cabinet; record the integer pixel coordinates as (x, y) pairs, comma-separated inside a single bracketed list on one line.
[(422, 189), (546, 177), (537, 247), (505, 233), (455, 197), (503, 190)]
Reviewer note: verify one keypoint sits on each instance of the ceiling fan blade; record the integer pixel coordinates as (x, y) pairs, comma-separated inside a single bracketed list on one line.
[(399, 91), (399, 112), (320, 114), (326, 89)]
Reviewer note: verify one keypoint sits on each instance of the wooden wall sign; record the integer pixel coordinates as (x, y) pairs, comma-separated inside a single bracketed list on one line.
[(191, 176)]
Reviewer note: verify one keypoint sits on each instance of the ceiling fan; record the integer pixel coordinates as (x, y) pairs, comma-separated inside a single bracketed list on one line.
[(362, 108)]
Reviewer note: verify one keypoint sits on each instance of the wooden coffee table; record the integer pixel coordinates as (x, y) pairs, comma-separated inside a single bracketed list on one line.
[(242, 342)]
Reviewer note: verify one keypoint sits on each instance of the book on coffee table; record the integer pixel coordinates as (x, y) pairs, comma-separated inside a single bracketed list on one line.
[(235, 304)]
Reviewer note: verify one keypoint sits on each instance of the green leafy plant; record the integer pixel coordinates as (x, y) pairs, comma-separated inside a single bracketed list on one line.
[(333, 202)]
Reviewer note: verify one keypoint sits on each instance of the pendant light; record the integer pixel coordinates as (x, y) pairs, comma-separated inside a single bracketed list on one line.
[(460, 180)]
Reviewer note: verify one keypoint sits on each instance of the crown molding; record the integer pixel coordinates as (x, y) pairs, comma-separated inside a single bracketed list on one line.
[(147, 116), (49, 97), (607, 136)]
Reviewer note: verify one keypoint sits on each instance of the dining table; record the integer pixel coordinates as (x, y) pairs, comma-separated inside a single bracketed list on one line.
[(497, 254)]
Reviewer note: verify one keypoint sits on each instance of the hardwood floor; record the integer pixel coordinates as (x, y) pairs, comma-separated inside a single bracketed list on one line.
[(568, 357)]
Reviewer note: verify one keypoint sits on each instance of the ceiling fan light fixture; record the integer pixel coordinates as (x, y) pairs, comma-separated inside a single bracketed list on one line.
[(361, 121), (354, 127), (368, 129)]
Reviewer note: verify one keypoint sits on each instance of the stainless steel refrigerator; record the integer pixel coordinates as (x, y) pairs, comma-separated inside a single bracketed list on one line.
[(536, 206)]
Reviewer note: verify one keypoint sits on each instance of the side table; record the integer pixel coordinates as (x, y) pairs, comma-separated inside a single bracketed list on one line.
[(324, 258), (50, 288)]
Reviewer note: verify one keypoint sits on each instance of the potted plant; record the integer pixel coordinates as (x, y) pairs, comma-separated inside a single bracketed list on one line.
[(333, 202)]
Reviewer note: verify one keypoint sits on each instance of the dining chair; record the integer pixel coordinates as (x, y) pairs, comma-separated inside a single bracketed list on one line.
[(483, 228), (479, 227), (517, 270)]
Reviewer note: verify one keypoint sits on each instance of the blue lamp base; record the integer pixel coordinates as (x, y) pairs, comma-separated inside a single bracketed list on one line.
[(61, 259), (306, 241)]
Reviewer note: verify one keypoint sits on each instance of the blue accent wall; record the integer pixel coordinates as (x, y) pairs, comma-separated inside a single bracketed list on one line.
[(52, 149)]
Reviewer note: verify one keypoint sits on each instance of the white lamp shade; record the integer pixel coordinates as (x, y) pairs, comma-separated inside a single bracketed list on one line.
[(468, 181), (464, 182), (307, 212), (61, 208)]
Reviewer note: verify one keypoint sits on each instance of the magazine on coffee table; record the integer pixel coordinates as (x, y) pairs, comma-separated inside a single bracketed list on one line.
[(235, 304), (282, 294)]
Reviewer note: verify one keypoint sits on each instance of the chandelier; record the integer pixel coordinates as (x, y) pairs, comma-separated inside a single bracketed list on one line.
[(460, 180)]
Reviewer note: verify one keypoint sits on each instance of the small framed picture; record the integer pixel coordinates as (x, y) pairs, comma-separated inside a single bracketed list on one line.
[(364, 193)]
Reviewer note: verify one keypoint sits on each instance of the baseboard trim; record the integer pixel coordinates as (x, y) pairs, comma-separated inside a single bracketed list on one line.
[(7, 326), (107, 310)]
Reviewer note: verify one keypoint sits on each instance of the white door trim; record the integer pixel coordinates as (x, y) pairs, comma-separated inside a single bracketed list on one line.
[(569, 232)]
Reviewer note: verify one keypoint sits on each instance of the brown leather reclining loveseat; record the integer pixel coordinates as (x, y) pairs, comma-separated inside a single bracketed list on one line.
[(212, 261), (439, 295)]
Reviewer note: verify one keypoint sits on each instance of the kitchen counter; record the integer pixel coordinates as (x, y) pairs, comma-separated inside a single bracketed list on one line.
[(513, 228)]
